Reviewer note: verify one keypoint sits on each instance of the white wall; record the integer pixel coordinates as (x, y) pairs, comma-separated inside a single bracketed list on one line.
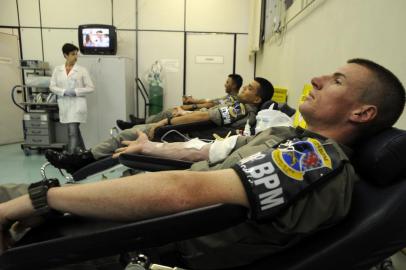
[(330, 32), (161, 26)]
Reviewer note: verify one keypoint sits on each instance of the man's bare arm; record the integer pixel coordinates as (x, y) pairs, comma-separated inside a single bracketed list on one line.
[(191, 100), (189, 151), (198, 106), (138, 196), (184, 119), (190, 118)]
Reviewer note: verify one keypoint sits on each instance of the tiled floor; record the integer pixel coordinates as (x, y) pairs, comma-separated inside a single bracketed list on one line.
[(15, 167)]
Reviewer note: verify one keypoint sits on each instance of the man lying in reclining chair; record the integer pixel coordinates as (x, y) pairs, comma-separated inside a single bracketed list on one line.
[(232, 87), (236, 115), (294, 181)]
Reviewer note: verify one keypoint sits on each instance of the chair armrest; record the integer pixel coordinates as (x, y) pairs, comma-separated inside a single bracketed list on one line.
[(72, 239), (94, 167), (150, 163)]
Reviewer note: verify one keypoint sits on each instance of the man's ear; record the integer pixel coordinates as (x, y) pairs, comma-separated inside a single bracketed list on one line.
[(257, 100), (363, 114)]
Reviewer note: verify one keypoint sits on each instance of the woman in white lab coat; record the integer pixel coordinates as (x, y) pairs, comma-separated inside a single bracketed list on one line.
[(71, 83)]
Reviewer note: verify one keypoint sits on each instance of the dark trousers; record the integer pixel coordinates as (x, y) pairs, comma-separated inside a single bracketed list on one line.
[(75, 140)]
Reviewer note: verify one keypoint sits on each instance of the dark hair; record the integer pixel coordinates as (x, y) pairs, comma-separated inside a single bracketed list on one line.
[(68, 47), (237, 79), (265, 91), (384, 91)]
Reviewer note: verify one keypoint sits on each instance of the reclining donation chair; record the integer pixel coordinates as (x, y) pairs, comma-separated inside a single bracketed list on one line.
[(374, 229), (202, 130)]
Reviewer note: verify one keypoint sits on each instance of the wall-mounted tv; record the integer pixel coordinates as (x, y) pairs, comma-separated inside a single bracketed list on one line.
[(97, 39)]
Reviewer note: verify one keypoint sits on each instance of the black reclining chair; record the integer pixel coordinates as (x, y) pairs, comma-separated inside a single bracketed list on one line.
[(202, 130), (374, 229), (139, 162)]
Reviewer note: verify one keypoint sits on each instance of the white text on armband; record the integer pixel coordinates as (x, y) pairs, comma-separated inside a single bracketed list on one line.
[(264, 174), (225, 115)]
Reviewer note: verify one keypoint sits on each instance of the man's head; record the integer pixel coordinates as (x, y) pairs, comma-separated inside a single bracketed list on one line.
[(359, 99), (70, 52), (233, 83), (257, 92), (99, 33)]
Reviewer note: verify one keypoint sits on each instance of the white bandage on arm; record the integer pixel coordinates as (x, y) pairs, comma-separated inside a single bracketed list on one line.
[(195, 143), (220, 149), (193, 150)]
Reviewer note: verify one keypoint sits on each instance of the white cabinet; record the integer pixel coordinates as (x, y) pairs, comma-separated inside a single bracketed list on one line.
[(113, 97)]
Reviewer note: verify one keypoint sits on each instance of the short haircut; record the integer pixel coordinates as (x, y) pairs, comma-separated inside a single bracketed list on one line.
[(265, 91), (237, 79), (68, 47), (385, 91)]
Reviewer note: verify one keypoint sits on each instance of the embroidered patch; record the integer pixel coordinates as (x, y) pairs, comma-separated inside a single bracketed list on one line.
[(232, 113), (295, 158), (229, 100), (225, 114)]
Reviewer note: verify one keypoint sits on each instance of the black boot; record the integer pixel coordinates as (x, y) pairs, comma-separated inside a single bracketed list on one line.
[(136, 121), (70, 162), (124, 125)]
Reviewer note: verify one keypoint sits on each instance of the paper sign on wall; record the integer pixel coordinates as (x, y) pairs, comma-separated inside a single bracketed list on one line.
[(209, 59)]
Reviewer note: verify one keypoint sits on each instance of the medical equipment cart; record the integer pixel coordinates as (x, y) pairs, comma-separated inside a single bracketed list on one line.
[(41, 126)]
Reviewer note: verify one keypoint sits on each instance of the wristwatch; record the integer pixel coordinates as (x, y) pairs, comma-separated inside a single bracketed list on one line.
[(38, 195), (194, 106)]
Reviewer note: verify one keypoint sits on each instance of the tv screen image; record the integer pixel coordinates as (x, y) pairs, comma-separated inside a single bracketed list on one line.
[(97, 39)]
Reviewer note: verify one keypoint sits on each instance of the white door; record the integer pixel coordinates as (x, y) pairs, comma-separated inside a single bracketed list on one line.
[(209, 61), (10, 75)]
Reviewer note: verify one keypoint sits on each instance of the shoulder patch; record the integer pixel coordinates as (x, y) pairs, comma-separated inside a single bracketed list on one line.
[(275, 178), (295, 158)]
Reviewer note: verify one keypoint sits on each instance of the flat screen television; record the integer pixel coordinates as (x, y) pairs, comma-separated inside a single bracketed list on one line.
[(97, 39)]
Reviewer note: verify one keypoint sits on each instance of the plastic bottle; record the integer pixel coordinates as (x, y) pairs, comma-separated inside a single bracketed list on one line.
[(247, 129)]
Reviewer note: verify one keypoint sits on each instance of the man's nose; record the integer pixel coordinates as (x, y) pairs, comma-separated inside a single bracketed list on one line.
[(317, 82)]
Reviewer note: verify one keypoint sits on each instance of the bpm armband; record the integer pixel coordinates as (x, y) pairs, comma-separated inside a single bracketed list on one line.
[(232, 113), (275, 178)]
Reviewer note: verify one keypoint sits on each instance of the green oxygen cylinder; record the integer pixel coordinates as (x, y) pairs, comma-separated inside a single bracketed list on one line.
[(156, 98)]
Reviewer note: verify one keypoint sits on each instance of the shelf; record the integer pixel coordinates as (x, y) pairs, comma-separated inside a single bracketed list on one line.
[(33, 68), (39, 104)]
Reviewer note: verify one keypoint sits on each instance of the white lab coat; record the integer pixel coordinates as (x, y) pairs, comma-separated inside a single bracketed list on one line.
[(71, 109)]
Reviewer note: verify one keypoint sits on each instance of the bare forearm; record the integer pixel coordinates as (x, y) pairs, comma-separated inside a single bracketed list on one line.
[(197, 106), (18, 208), (148, 195), (199, 101), (190, 118)]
